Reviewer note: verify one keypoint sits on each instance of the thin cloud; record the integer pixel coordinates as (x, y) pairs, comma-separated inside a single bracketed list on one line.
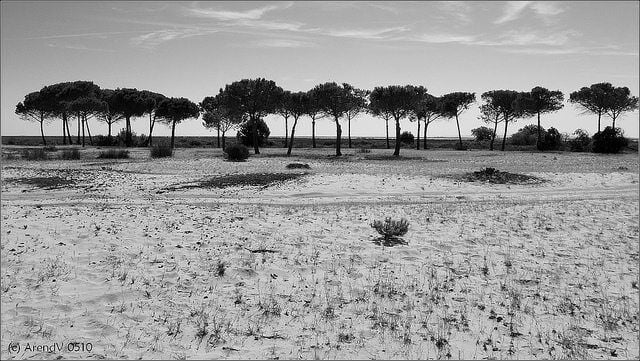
[(269, 25), (578, 50), (227, 15), (512, 11), (153, 39), (459, 11), (84, 35), (443, 38), (80, 47), (547, 8), (524, 38), (383, 33), (282, 43)]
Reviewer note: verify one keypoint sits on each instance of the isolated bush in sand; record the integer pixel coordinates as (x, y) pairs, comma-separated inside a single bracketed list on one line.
[(390, 229), (236, 152)]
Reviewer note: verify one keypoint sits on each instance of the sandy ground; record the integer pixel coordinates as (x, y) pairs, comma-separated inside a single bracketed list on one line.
[(124, 259)]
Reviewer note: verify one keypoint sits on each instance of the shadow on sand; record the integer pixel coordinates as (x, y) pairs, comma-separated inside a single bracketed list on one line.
[(389, 241)]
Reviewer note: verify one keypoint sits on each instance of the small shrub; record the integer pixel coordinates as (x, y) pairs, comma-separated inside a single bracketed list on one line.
[(482, 133), (34, 154), (105, 141), (245, 135), (114, 154), (221, 266), (136, 140), (161, 151), (236, 152), (550, 140), (492, 175), (298, 165), (527, 135), (582, 141), (390, 228), (70, 154), (458, 146), (609, 141), (406, 138), (50, 148), (364, 150)]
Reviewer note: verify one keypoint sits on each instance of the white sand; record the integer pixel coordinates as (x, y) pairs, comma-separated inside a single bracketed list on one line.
[(120, 261)]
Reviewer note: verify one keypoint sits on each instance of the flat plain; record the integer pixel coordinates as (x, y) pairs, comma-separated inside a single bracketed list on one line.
[(197, 257)]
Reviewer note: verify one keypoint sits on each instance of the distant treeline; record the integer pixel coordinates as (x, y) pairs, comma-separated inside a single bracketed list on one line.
[(244, 104)]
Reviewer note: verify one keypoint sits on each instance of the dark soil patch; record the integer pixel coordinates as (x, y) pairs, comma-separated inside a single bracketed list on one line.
[(298, 166), (400, 158), (233, 180), (54, 182), (492, 175)]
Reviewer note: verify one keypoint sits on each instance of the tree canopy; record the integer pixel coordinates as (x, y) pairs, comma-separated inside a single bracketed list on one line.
[(398, 101), (538, 101), (334, 101), (174, 110), (252, 99), (36, 107), (454, 104)]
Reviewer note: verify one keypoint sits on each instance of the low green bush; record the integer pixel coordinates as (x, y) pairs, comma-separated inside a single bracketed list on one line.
[(161, 151), (236, 152), (114, 154)]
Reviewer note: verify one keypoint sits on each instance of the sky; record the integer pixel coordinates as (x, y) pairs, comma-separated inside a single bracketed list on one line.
[(192, 49)]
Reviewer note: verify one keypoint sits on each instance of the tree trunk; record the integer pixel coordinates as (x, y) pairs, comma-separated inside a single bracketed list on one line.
[(68, 131), (127, 131), (44, 141), (538, 144), (396, 152), (64, 133), (254, 134), (493, 136), (286, 131), (293, 133), (82, 132), (614, 122), (79, 123), (424, 138), (173, 133), (219, 137), (459, 135), (150, 130), (426, 126), (338, 137), (504, 138), (599, 115), (88, 131), (153, 124), (349, 130), (313, 132), (387, 125), (418, 136)]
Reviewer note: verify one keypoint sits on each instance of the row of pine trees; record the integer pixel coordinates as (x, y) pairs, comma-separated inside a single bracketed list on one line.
[(247, 102)]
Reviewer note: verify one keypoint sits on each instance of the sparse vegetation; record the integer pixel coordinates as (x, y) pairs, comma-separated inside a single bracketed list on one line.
[(114, 154), (581, 142), (161, 151), (492, 175), (610, 140), (298, 166), (236, 152), (70, 154), (34, 154), (390, 229)]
